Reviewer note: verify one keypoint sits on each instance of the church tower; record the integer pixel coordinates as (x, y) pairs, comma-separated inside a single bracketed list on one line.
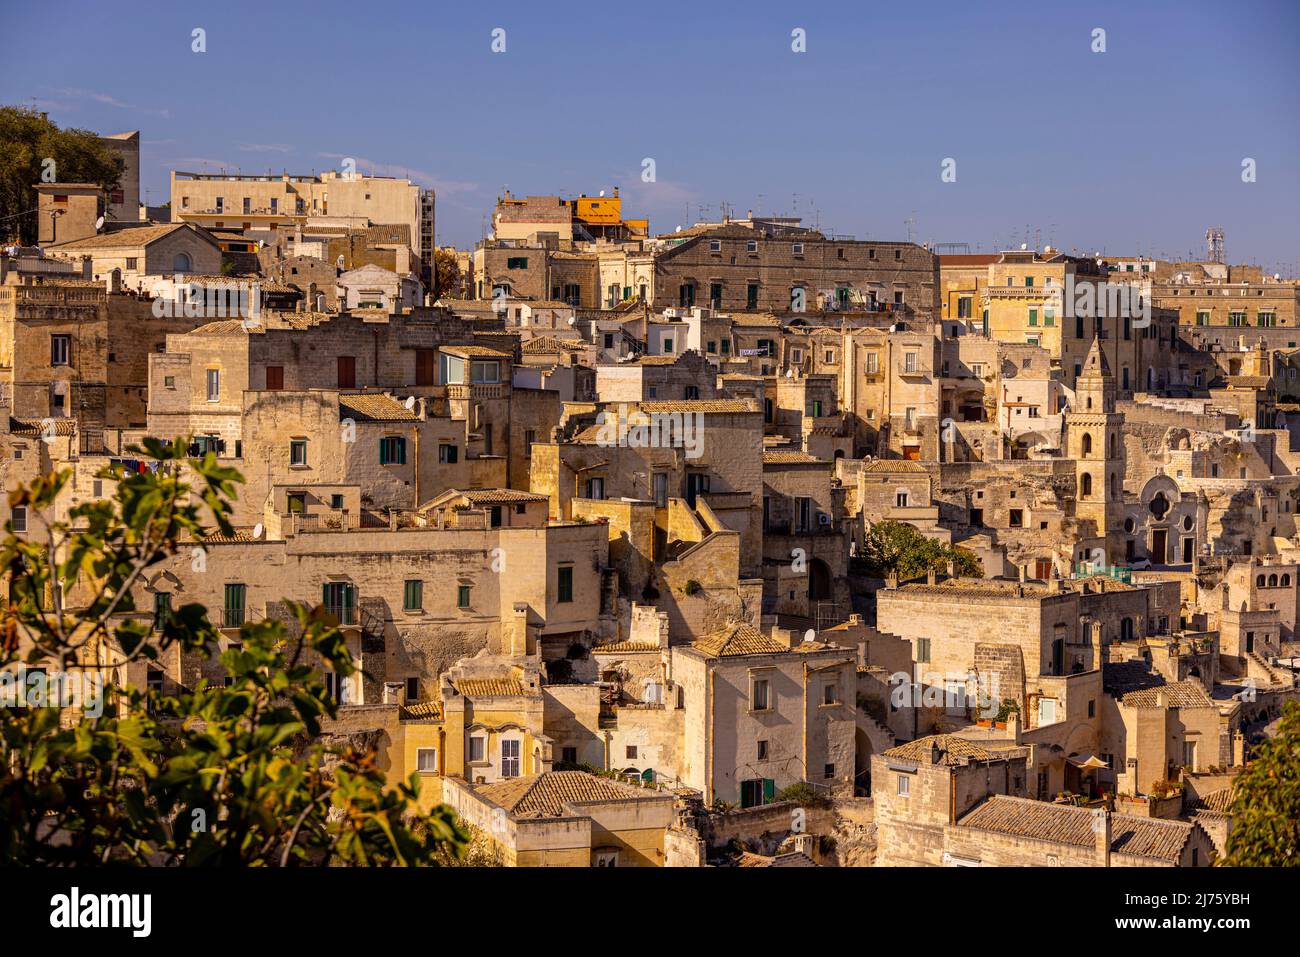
[(1095, 441)]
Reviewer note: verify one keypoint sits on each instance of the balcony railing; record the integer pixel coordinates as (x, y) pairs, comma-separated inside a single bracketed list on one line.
[(346, 614)]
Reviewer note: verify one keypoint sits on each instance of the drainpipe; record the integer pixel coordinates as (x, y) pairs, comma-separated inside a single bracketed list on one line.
[(415, 455), (806, 772), (708, 751)]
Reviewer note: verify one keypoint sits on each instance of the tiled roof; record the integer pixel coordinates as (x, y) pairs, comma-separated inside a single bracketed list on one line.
[(789, 859), (1180, 694), (544, 345), (953, 751), (228, 327), (622, 647), (784, 457), (423, 710), (697, 405), (491, 496), (486, 687), (389, 233), (136, 236), (475, 352), (1064, 824), (738, 639), (550, 794), (374, 407), (237, 536), (1217, 801), (227, 282), (35, 428), (894, 465)]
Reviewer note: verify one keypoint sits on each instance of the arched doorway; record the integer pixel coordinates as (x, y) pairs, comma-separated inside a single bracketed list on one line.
[(819, 580)]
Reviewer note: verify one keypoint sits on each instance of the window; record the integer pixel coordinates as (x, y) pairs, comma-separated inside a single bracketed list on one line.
[(154, 680), (964, 307), (392, 450), (904, 786), (1017, 519), (233, 615), (298, 452), (828, 771), (336, 500), (631, 752), (565, 583), (923, 649), (661, 489), (19, 517), (510, 758), (60, 350), (715, 295), (762, 750), (751, 245), (595, 488), (447, 454), (477, 748), (485, 372), (214, 385), (462, 596), (1092, 707), (426, 760), (828, 694), (413, 595), (760, 695), (797, 249), (715, 245), (517, 262), (162, 609), (751, 296)]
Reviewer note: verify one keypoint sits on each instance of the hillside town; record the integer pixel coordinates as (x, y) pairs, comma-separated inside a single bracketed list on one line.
[(736, 544)]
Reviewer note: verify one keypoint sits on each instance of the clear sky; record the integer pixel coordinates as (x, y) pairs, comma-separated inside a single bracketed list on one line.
[(1135, 150)]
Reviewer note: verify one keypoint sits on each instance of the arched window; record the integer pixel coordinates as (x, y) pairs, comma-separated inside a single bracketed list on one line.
[(1272, 581), (1286, 581), (1087, 443), (181, 262), (1085, 485), (1259, 582)]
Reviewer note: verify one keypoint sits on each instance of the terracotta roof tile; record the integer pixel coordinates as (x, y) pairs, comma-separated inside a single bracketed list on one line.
[(487, 687), (1064, 824), (738, 639), (698, 405), (374, 407), (555, 793), (953, 751)]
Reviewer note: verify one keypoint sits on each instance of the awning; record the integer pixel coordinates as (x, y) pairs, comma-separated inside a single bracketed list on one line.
[(1082, 760)]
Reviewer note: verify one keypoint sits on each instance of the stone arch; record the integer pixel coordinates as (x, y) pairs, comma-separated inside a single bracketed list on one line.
[(1086, 447), (1085, 485), (819, 580)]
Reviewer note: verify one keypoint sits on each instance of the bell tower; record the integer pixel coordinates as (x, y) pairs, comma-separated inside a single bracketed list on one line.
[(1095, 441)]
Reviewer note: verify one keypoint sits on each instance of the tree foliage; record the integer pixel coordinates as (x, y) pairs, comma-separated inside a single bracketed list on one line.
[(1266, 808), (447, 277), (27, 139), (213, 774), (901, 548)]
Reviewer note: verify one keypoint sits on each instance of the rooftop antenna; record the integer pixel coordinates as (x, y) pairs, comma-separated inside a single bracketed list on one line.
[(909, 223), (1214, 244)]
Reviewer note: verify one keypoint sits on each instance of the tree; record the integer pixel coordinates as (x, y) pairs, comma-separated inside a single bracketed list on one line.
[(901, 548), (224, 774), (447, 275), (27, 141), (1266, 807)]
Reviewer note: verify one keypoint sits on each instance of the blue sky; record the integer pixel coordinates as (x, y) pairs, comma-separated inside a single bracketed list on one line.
[(1137, 149)]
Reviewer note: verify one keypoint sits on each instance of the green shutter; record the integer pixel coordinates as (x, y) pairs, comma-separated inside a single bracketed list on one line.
[(769, 790)]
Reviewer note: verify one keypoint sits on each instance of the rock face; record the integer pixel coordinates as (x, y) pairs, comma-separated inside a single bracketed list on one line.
[(854, 834)]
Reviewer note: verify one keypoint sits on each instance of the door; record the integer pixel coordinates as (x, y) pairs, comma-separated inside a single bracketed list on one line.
[(510, 758), (274, 378), (696, 482), (426, 361), (347, 372), (1188, 545), (912, 453), (1159, 545), (340, 601)]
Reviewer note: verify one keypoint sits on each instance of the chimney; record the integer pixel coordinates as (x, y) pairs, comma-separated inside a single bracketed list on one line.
[(1024, 573), (392, 519), (931, 576), (891, 580), (114, 282), (4, 267), (87, 268), (936, 752), (1101, 827), (952, 568)]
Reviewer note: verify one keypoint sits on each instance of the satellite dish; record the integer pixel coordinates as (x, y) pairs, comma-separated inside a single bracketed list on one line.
[(810, 635), (261, 244), (410, 403), (99, 224), (602, 192), (1024, 246), (257, 530), (679, 229), (571, 320), (789, 373)]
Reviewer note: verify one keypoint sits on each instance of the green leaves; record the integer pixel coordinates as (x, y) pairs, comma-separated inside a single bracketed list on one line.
[(228, 774), (902, 548), (1266, 809)]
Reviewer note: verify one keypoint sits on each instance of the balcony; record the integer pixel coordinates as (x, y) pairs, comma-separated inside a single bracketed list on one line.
[(917, 371), (496, 390), (346, 614)]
